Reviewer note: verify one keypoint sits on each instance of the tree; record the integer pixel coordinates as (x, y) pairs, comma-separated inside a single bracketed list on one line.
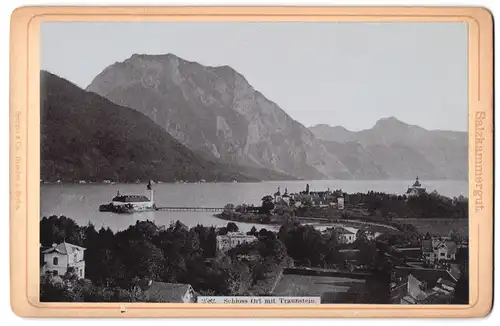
[(267, 205), (304, 243), (232, 227), (143, 259), (58, 229), (462, 290), (253, 231), (52, 289), (367, 254), (361, 237), (455, 236), (271, 246)]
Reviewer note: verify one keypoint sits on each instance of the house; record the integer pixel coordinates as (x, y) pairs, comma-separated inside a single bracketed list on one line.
[(438, 249), (346, 234), (61, 258), (408, 291), (429, 280), (421, 285), (233, 239), (340, 202), (167, 292), (416, 189)]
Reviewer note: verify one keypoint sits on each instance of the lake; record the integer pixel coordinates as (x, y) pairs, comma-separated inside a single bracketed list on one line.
[(81, 201)]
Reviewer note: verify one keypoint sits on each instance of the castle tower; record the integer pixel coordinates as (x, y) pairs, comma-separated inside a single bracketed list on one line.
[(151, 192)]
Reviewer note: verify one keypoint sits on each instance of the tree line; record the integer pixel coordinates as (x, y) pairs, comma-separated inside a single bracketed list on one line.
[(117, 262)]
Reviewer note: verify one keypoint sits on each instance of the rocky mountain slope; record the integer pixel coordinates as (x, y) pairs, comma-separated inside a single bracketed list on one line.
[(215, 111), (86, 137), (394, 149)]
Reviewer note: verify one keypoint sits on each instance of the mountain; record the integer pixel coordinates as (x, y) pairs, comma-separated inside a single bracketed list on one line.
[(326, 132), (86, 137), (399, 150), (359, 161), (215, 111)]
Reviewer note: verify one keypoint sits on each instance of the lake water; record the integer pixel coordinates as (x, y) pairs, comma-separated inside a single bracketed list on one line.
[(81, 201)]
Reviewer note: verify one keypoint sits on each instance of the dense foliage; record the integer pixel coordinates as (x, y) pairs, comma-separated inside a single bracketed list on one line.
[(175, 254), (427, 205)]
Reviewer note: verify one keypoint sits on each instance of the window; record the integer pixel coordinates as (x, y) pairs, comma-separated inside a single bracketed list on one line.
[(81, 273), (56, 273), (55, 261), (441, 254)]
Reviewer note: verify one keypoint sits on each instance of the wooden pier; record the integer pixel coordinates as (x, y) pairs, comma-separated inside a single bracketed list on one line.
[(189, 209)]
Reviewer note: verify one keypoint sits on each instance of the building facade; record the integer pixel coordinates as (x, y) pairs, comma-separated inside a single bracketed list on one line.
[(438, 249), (346, 234), (416, 189), (340, 202), (63, 257), (136, 202), (421, 286), (233, 239)]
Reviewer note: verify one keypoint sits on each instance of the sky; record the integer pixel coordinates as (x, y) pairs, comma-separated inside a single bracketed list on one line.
[(337, 73)]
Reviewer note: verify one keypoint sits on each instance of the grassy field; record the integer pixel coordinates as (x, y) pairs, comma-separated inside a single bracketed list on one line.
[(437, 226), (330, 289)]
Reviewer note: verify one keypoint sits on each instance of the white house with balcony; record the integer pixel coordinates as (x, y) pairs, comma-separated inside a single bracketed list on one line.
[(62, 257)]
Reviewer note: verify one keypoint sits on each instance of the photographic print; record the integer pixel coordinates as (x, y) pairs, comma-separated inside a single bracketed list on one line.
[(254, 162)]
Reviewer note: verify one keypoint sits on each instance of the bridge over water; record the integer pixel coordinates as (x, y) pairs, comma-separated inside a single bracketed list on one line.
[(189, 209)]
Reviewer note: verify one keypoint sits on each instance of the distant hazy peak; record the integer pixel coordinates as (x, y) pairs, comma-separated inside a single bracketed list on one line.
[(324, 125), (392, 122), (386, 122)]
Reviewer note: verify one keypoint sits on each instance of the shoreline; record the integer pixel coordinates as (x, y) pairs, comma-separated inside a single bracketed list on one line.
[(224, 217), (318, 222)]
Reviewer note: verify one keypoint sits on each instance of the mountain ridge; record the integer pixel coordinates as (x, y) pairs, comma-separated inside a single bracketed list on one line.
[(402, 149), (86, 137), (216, 111)]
